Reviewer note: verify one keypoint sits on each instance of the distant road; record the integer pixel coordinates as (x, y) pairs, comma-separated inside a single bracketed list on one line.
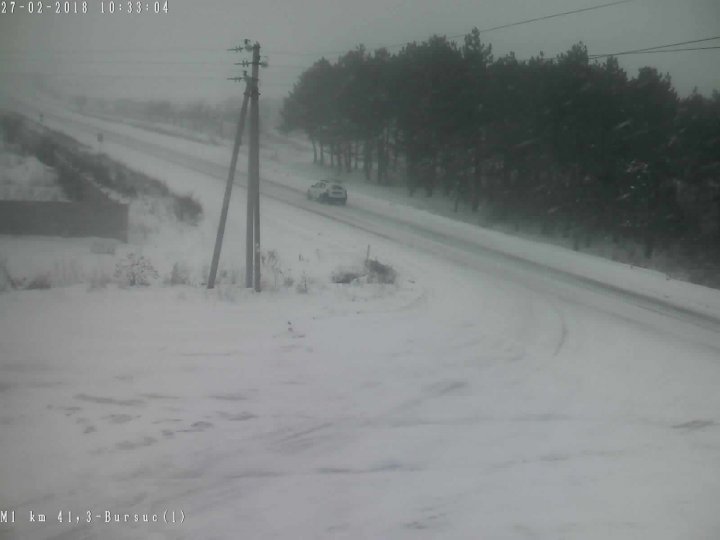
[(462, 249)]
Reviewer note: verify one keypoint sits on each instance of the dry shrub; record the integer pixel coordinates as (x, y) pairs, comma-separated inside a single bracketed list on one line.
[(180, 274), (135, 271), (39, 282), (378, 272), (346, 276)]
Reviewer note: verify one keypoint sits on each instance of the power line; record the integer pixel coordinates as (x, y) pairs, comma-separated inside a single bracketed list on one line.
[(648, 49), (114, 50), (186, 50), (88, 76), (314, 54), (546, 17), (147, 62), (138, 62), (484, 30), (656, 51)]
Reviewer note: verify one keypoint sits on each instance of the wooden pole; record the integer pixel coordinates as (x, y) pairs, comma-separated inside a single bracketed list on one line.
[(254, 162), (250, 222), (228, 190)]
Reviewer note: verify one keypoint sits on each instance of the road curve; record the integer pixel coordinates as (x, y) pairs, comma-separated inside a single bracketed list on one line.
[(567, 285)]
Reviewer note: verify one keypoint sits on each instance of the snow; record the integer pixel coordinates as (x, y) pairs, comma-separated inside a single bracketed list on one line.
[(281, 151), (24, 178), (477, 397)]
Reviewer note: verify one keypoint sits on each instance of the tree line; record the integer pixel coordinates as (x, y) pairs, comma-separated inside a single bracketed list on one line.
[(567, 144)]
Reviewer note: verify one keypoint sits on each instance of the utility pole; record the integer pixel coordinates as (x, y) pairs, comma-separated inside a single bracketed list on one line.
[(228, 187), (251, 90), (250, 223), (252, 237), (254, 160)]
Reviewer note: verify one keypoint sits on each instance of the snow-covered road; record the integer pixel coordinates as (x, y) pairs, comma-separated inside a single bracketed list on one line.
[(479, 398), (497, 252)]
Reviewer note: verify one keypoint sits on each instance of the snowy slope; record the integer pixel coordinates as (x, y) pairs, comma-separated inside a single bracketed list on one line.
[(473, 399), (637, 282), (26, 179)]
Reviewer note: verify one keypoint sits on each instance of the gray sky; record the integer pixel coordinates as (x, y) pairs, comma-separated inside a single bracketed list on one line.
[(181, 55)]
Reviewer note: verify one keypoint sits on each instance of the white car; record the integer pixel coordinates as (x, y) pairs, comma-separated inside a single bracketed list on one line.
[(330, 192)]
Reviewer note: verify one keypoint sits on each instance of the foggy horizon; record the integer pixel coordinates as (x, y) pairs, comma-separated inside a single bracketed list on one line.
[(182, 55)]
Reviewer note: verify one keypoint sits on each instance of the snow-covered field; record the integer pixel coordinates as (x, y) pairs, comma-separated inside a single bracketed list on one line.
[(474, 398), (285, 166)]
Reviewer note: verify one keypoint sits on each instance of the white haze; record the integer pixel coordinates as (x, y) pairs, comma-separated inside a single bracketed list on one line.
[(182, 55)]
